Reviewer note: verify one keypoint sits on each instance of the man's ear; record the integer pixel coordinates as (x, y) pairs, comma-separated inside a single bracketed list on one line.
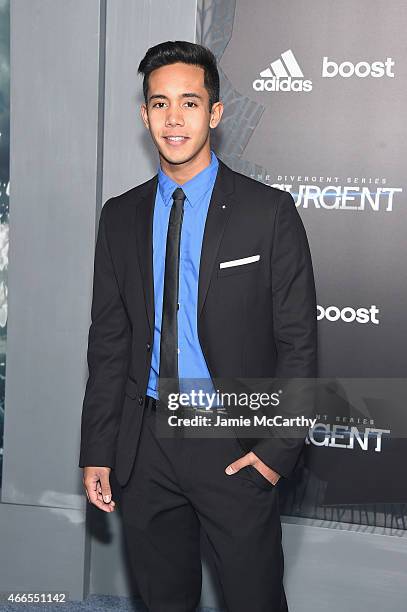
[(216, 114), (144, 115)]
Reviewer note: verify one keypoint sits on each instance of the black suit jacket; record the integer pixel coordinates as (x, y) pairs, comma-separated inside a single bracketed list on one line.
[(254, 320)]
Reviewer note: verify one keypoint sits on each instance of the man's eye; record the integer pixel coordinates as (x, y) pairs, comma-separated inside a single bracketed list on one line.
[(188, 102)]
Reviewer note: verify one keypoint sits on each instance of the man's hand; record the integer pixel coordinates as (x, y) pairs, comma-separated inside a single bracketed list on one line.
[(251, 459), (97, 487)]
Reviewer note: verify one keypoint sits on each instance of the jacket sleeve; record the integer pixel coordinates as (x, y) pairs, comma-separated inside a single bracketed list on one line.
[(108, 354), (295, 336)]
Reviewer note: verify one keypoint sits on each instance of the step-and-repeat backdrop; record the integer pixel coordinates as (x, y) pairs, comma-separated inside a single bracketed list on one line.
[(315, 96)]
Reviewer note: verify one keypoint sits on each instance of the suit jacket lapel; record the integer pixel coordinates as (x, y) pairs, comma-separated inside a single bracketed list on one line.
[(220, 207), (144, 230)]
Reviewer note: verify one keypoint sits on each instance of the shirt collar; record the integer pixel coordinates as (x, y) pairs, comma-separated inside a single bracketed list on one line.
[(194, 189)]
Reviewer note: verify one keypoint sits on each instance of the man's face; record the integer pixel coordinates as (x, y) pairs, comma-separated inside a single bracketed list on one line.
[(178, 106)]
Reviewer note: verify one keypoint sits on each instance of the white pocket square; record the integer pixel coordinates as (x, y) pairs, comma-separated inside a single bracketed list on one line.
[(239, 262)]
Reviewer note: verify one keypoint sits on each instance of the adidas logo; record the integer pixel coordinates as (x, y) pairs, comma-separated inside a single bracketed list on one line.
[(283, 74)]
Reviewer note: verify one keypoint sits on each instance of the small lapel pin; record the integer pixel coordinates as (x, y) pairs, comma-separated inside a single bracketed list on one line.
[(223, 205)]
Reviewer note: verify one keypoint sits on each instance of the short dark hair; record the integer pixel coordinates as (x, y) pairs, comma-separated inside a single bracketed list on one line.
[(171, 52)]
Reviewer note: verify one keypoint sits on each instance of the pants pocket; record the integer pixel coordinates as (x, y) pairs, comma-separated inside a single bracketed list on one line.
[(252, 472)]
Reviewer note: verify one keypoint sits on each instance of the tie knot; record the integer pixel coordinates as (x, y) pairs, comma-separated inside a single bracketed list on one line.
[(178, 194)]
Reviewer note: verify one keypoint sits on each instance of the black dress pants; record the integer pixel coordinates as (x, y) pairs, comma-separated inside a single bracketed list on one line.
[(177, 487)]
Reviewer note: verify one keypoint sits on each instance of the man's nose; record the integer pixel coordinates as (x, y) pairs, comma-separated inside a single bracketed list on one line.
[(174, 117)]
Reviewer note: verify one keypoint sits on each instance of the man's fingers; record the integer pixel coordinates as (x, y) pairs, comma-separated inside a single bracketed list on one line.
[(237, 465), (251, 459), (102, 506), (94, 499), (97, 487), (105, 488), (265, 470), (100, 498), (99, 491), (260, 467)]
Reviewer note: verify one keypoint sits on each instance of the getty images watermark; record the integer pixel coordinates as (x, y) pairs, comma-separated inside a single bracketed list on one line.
[(200, 403)]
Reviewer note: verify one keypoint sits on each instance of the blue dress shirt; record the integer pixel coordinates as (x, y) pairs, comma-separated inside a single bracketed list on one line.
[(198, 190)]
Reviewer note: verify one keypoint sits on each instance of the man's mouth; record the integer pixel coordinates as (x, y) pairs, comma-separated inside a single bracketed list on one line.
[(176, 140)]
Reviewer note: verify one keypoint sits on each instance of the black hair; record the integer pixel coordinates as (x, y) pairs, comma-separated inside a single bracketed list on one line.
[(171, 52)]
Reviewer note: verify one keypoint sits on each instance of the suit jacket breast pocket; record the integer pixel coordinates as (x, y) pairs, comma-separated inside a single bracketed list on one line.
[(242, 265)]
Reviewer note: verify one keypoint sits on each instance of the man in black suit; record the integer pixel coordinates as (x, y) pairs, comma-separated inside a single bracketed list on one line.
[(201, 274)]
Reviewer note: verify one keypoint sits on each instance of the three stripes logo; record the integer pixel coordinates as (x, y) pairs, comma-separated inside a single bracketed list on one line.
[(283, 74)]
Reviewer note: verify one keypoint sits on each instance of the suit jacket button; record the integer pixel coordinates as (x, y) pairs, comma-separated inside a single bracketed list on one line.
[(140, 399)]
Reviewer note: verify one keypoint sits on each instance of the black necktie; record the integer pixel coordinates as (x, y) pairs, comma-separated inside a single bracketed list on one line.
[(169, 325)]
